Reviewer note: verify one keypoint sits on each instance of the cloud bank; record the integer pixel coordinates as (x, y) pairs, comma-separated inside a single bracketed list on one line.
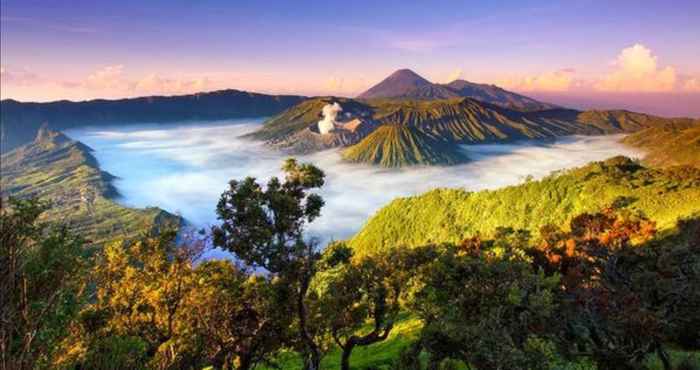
[(561, 80), (185, 169), (106, 81), (636, 70)]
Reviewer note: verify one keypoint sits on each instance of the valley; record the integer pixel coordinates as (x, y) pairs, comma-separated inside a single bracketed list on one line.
[(189, 165), (366, 185), (421, 169)]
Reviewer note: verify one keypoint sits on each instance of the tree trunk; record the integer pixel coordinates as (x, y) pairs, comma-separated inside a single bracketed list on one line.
[(663, 356), (345, 359), (246, 362), (218, 360), (313, 361)]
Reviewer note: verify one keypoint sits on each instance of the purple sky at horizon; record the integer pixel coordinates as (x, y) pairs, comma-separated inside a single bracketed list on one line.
[(641, 55)]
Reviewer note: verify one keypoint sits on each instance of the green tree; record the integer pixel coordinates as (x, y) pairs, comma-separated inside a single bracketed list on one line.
[(264, 227), (487, 307), (672, 279), (39, 287), (359, 299), (235, 316), (141, 290), (155, 303)]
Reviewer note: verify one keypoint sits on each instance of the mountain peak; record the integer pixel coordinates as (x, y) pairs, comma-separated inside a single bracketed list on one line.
[(406, 73), (400, 82), (47, 136)]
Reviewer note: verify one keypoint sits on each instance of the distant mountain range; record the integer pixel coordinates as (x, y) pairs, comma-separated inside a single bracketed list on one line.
[(19, 122), (406, 84), (400, 132), (403, 120)]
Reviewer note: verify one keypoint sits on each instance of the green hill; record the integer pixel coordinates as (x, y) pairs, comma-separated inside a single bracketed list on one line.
[(398, 145), (450, 215), (674, 144), (437, 126), (62, 171)]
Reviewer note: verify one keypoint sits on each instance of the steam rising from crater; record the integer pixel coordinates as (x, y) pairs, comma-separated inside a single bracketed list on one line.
[(329, 112)]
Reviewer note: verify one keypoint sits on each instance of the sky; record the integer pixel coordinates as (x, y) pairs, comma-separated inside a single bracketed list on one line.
[(641, 55)]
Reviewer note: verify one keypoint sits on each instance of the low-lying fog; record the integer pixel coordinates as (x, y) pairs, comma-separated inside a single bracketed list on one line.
[(185, 168)]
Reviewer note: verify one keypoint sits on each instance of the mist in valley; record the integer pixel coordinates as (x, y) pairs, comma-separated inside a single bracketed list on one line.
[(184, 168)]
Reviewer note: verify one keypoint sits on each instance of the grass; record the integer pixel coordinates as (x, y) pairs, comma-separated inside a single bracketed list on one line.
[(377, 356), (381, 356)]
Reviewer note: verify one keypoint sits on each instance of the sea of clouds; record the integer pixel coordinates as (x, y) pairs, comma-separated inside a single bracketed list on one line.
[(184, 168)]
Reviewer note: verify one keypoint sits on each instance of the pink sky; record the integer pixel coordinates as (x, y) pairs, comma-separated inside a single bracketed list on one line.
[(582, 54)]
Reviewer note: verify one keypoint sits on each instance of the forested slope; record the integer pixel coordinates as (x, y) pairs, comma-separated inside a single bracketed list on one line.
[(450, 215)]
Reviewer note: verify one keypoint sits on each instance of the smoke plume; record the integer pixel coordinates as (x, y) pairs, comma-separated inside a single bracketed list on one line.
[(329, 112)]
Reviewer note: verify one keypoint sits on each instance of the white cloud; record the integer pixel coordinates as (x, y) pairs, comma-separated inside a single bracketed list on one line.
[(18, 77), (113, 80), (154, 84), (561, 80), (335, 83), (455, 75), (109, 77), (637, 70), (691, 85)]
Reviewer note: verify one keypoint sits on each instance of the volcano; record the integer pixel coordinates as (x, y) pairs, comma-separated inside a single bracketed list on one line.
[(408, 85)]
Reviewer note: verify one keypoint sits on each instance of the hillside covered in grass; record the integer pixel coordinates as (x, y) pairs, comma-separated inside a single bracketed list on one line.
[(396, 145), (669, 145), (447, 123), (62, 171), (450, 215)]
